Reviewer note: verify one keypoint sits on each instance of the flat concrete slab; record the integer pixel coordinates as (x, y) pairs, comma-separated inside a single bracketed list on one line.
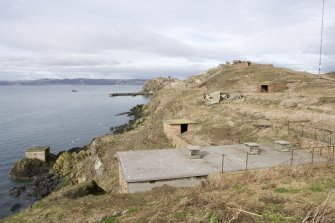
[(149, 165), (180, 121)]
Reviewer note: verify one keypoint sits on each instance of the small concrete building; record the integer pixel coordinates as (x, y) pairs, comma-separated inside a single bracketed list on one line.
[(141, 171), (173, 129), (41, 153), (270, 87)]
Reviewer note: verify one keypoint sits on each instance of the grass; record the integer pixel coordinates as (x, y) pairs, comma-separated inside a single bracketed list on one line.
[(282, 190), (109, 220), (275, 217), (180, 216), (316, 188)]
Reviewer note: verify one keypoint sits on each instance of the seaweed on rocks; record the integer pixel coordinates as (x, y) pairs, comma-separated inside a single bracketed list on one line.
[(137, 112)]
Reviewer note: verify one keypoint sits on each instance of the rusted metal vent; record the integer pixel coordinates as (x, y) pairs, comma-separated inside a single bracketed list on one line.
[(195, 154)]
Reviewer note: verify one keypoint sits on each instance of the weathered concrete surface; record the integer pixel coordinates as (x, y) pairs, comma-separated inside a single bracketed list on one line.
[(213, 98), (165, 164)]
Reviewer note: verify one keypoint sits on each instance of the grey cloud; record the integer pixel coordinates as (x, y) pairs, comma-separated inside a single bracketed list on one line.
[(132, 38)]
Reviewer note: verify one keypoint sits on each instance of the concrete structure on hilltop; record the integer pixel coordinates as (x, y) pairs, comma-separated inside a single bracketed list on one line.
[(141, 171), (241, 64), (270, 87), (41, 153)]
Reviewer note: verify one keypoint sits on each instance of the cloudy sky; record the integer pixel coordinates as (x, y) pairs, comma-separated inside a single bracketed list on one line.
[(147, 38)]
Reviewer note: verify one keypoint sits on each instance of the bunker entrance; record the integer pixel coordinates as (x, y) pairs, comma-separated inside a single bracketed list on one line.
[(183, 128), (264, 88)]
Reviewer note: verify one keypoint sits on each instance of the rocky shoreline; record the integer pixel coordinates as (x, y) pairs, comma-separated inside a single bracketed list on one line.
[(41, 180), (45, 177), (137, 114)]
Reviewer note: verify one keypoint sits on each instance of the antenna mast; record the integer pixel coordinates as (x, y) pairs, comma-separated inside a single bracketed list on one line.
[(323, 11)]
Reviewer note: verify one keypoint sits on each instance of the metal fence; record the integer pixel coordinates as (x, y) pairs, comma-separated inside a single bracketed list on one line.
[(301, 129), (320, 154)]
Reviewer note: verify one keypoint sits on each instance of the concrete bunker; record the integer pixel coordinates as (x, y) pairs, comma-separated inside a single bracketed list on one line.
[(270, 87), (40, 152), (144, 170)]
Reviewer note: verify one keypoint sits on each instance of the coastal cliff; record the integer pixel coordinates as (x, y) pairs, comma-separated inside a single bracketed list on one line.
[(258, 196)]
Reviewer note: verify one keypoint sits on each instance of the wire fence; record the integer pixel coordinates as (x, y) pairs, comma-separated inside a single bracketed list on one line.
[(300, 129), (320, 154)]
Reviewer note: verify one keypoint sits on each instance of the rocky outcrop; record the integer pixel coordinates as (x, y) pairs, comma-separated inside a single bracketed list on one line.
[(157, 84), (27, 168), (137, 112), (16, 191), (63, 164), (44, 184), (83, 189)]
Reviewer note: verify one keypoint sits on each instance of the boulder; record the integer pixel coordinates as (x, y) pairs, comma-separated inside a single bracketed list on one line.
[(16, 191), (15, 207), (27, 168)]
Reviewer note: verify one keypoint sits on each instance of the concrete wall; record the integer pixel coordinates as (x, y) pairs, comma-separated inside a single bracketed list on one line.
[(274, 87), (122, 183), (182, 182), (41, 155)]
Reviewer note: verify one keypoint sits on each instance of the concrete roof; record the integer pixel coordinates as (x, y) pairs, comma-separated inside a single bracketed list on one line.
[(180, 121), (38, 149), (163, 164)]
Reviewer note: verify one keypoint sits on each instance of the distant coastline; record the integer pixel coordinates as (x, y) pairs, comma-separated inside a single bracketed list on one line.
[(77, 81)]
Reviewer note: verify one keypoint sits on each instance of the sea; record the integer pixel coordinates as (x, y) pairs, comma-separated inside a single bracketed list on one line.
[(59, 116)]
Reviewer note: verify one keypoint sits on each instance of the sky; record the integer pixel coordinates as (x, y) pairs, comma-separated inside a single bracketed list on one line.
[(150, 38)]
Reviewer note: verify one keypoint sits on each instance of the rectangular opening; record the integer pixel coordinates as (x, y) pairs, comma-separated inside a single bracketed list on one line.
[(183, 128), (264, 88)]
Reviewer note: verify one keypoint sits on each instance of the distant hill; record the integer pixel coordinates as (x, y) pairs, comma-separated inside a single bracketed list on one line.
[(78, 81)]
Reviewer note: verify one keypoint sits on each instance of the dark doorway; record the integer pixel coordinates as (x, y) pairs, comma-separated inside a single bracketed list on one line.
[(183, 128), (264, 88)]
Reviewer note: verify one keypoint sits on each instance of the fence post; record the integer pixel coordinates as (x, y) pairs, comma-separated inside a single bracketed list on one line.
[(223, 155), (288, 127), (246, 162), (330, 137), (291, 156), (313, 156), (333, 153)]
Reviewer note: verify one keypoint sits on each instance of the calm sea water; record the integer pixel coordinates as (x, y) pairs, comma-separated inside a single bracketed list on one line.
[(57, 117)]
